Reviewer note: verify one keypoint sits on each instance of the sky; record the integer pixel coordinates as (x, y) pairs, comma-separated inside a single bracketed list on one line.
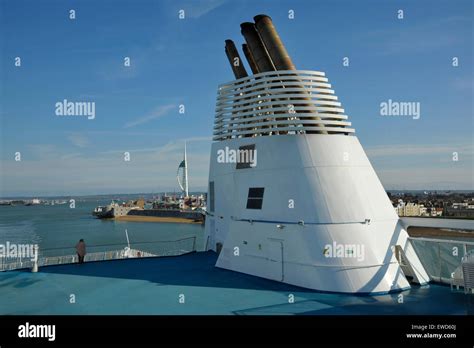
[(177, 62)]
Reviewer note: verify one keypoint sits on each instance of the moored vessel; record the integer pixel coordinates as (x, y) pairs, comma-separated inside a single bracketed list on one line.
[(183, 208)]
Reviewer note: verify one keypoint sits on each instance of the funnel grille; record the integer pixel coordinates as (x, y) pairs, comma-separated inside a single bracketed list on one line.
[(277, 103)]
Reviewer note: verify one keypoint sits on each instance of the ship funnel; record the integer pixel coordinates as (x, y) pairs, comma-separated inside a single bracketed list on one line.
[(257, 48), (265, 50), (266, 53), (250, 59), (235, 61), (275, 48)]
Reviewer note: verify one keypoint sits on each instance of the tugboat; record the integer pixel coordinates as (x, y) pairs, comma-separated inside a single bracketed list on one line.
[(104, 212)]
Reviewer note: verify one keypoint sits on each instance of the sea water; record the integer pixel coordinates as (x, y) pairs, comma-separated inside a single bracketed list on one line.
[(57, 228)]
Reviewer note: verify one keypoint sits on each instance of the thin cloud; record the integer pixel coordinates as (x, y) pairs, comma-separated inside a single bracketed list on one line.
[(70, 155), (452, 178), (157, 113), (415, 150), (78, 140), (90, 173), (42, 151), (419, 37), (197, 9), (463, 83), (170, 146)]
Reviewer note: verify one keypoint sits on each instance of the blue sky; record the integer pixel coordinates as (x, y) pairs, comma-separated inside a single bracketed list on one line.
[(181, 61)]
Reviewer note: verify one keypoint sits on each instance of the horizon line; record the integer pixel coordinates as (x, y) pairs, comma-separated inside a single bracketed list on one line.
[(200, 191)]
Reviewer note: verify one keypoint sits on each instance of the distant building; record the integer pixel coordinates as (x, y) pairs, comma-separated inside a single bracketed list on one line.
[(415, 209), (423, 210), (412, 209), (400, 208), (464, 209)]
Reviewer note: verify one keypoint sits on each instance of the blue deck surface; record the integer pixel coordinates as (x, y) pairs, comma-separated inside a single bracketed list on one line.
[(153, 286)]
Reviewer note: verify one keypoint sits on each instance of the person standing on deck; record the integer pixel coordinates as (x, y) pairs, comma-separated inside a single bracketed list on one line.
[(81, 250)]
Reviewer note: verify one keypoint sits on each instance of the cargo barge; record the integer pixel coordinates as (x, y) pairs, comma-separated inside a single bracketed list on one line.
[(132, 211)]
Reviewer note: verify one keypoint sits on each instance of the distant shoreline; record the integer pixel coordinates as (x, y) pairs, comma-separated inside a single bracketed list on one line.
[(199, 191), (438, 232), (100, 195)]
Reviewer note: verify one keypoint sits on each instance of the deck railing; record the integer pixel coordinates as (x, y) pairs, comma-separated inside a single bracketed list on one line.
[(101, 252), (441, 257)]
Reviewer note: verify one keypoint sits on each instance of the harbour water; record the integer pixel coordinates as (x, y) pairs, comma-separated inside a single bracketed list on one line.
[(60, 227)]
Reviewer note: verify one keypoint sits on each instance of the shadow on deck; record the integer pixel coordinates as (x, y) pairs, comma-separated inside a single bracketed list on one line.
[(155, 286)]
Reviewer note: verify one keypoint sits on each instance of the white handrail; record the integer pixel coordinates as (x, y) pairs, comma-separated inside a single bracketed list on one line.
[(34, 263), (441, 240)]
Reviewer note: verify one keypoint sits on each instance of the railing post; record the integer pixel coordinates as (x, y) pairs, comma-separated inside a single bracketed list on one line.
[(465, 249), (35, 258)]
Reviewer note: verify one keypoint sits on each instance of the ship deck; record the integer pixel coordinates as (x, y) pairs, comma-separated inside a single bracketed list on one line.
[(154, 286)]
